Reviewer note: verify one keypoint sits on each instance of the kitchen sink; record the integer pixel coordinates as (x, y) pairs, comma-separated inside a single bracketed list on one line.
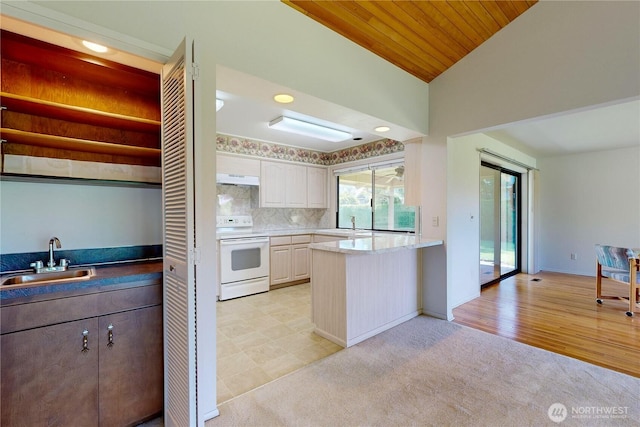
[(32, 279)]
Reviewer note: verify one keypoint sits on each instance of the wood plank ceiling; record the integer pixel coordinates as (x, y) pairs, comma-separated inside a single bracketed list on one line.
[(422, 37)]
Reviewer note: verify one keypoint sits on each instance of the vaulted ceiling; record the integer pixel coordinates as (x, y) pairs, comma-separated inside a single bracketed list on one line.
[(422, 37)]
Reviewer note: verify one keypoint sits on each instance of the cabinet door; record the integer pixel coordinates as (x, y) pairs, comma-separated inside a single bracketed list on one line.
[(47, 380), (273, 184), (280, 260), (237, 165), (316, 187), (301, 262), (131, 370), (296, 194)]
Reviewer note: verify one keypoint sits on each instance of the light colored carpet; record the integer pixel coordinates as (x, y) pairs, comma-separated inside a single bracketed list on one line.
[(431, 372)]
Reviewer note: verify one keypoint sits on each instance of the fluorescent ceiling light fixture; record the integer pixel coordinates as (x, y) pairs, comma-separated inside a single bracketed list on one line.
[(313, 130), (94, 46), (283, 98), (219, 104), (382, 129)]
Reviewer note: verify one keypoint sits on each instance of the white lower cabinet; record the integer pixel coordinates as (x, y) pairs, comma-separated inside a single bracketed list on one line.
[(290, 259), (280, 260)]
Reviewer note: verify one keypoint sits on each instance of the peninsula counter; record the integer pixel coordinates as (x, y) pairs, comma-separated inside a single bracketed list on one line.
[(363, 286)]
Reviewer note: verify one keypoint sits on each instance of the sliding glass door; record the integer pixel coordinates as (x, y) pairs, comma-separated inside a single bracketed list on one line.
[(499, 223)]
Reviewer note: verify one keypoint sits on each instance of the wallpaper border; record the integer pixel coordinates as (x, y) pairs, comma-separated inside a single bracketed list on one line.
[(269, 150)]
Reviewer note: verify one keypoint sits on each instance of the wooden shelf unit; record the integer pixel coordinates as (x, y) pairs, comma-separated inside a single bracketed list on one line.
[(62, 104)]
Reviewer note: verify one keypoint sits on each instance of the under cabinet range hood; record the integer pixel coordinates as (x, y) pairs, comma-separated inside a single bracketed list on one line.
[(228, 178)]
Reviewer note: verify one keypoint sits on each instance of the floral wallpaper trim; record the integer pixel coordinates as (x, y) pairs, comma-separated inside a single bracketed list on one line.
[(233, 144)]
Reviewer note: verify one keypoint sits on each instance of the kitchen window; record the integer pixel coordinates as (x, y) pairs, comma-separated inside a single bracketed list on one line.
[(374, 195)]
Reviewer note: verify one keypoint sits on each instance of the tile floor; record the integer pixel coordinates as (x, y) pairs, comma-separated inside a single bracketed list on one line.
[(265, 336)]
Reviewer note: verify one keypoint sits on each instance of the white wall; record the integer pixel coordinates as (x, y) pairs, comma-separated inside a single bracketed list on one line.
[(556, 57), (463, 208), (82, 216), (587, 199)]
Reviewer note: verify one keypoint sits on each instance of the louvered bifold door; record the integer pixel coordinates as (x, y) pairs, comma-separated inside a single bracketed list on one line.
[(178, 207)]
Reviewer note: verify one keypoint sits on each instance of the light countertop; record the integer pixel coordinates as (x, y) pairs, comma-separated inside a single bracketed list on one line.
[(296, 231), (378, 243), (353, 242), (263, 233), (339, 232)]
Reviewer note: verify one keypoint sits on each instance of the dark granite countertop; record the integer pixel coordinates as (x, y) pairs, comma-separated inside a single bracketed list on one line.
[(108, 277)]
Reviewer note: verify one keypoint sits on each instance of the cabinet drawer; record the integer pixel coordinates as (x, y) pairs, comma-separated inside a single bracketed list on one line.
[(319, 238), (302, 238), (280, 240), (128, 299), (32, 315), (26, 316)]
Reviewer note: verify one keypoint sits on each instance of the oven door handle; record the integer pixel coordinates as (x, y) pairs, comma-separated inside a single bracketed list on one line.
[(232, 242)]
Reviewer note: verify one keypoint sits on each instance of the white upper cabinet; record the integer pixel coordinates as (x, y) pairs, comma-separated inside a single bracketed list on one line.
[(296, 187), (285, 185), (316, 187), (237, 165), (273, 183)]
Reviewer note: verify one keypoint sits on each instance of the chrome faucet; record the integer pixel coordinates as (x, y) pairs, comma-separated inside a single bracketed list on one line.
[(353, 223), (52, 262), (39, 267)]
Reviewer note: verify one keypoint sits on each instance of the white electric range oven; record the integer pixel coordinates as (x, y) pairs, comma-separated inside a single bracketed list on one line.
[(243, 258)]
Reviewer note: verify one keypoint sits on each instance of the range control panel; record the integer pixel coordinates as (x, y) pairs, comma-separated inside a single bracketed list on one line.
[(234, 221)]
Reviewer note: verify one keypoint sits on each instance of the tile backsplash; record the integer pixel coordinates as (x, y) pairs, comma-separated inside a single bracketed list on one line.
[(237, 199), (244, 200), (278, 219)]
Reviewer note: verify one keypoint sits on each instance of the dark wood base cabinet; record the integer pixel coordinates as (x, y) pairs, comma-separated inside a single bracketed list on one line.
[(131, 386), (102, 370), (46, 378)]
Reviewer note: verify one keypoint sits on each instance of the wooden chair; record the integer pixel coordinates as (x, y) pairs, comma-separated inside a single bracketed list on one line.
[(621, 265)]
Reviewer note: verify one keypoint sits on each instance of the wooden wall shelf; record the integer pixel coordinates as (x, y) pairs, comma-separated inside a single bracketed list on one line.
[(51, 141), (24, 104)]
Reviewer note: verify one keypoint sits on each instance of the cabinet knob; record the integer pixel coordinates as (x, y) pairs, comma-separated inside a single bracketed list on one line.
[(85, 341)]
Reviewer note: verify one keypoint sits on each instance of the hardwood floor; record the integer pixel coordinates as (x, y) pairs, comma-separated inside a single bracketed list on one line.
[(559, 313)]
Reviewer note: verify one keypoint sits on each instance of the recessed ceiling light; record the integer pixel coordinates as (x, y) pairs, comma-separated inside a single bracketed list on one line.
[(94, 46), (283, 98), (382, 129)]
